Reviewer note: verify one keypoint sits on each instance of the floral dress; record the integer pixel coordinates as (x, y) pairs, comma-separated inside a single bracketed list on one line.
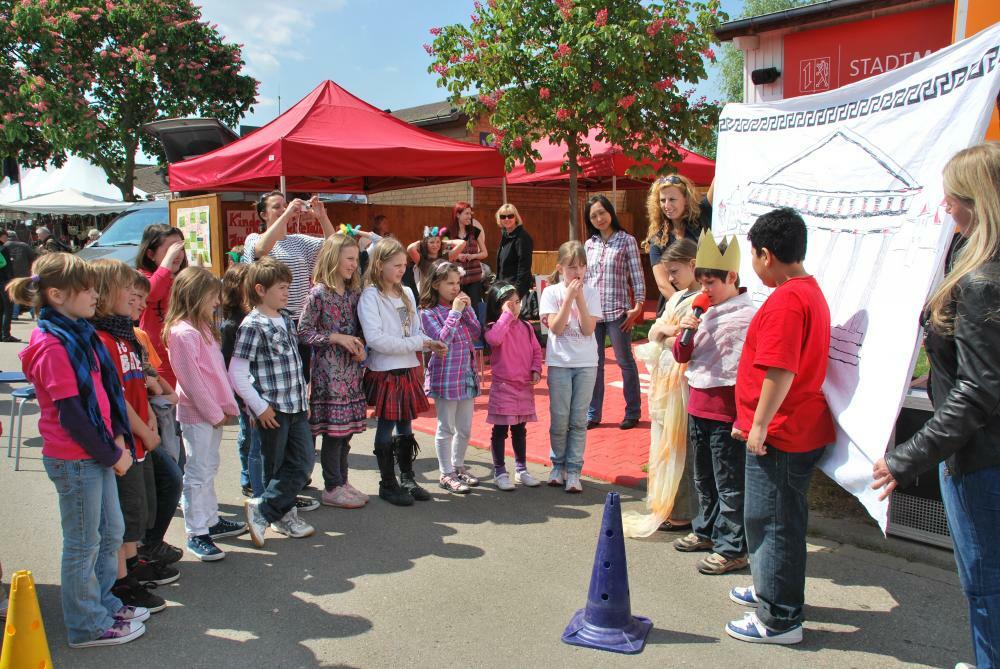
[(336, 399)]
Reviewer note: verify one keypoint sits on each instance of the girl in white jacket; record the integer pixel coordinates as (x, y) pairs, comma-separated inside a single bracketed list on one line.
[(393, 381)]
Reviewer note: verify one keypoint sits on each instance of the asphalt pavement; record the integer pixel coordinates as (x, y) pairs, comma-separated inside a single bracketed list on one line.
[(488, 580)]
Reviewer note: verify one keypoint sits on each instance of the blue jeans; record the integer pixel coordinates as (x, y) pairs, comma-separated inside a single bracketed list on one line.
[(719, 464), (92, 528), (621, 342), (776, 513), (570, 390), (251, 462), (289, 452), (972, 502)]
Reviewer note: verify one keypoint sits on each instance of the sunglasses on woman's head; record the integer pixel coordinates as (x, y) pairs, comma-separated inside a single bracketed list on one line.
[(507, 217), (672, 179)]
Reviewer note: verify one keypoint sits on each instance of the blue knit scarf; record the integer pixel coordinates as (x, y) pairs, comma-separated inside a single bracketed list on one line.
[(81, 342)]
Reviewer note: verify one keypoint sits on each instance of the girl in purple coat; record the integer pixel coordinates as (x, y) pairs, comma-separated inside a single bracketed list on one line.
[(516, 362)]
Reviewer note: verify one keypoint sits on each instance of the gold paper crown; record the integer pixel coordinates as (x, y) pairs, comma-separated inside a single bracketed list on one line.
[(709, 256)]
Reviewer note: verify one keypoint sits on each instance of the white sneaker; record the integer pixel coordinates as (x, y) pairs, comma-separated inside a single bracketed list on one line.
[(573, 483), (256, 522), (292, 526), (503, 482), (526, 479), (557, 478), (751, 629)]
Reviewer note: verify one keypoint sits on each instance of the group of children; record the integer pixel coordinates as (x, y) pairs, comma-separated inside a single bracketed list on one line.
[(95, 383)]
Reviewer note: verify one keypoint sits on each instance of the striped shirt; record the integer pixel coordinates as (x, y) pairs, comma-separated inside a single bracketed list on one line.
[(452, 377), (612, 266), (299, 253), (273, 352)]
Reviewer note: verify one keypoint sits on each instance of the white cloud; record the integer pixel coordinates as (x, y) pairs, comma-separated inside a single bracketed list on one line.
[(264, 101)]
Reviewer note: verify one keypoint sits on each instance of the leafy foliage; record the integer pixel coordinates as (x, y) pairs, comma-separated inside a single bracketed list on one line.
[(83, 76)]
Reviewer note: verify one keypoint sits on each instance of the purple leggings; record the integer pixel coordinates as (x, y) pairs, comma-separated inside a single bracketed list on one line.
[(519, 439)]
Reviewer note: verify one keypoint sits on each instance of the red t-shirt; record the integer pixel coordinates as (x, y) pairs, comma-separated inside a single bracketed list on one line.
[(129, 367), (791, 331)]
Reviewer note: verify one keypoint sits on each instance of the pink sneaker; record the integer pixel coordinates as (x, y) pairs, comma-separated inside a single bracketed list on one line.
[(360, 496), (340, 497)]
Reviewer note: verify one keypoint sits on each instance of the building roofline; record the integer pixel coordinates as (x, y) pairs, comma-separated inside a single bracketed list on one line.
[(830, 9)]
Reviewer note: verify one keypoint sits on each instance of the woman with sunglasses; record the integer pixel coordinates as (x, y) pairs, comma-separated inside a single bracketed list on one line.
[(675, 212), (514, 252), (463, 226)]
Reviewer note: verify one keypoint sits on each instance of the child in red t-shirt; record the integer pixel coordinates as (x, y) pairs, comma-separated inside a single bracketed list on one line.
[(136, 489), (783, 416)]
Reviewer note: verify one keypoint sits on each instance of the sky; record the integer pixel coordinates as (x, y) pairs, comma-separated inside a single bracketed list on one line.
[(372, 48)]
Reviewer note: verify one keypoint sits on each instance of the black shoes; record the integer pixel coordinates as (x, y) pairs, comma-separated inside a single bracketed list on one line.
[(161, 552), (155, 573), (591, 424), (395, 494), (408, 484), (133, 593), (628, 423)]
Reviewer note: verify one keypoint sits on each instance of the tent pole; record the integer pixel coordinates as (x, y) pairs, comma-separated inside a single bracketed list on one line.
[(614, 188), (281, 183), (503, 190)]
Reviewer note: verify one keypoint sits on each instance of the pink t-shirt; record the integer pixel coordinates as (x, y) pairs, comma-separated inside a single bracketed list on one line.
[(47, 366)]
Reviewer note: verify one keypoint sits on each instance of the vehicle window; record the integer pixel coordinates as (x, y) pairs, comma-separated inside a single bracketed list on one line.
[(128, 228)]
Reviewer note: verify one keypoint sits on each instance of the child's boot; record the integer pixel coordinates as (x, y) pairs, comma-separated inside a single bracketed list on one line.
[(406, 448), (388, 488)]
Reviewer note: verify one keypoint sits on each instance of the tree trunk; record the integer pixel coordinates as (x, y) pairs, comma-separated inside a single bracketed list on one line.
[(571, 153)]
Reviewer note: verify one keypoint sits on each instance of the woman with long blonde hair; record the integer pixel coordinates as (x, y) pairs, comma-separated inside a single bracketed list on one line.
[(962, 326), (674, 210)]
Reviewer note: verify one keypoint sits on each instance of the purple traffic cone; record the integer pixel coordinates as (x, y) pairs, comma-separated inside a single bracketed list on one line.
[(607, 622)]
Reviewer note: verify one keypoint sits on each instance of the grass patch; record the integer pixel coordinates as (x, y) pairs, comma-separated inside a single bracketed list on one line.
[(922, 366)]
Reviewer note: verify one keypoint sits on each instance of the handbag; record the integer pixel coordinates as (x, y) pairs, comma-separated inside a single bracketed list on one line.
[(529, 307)]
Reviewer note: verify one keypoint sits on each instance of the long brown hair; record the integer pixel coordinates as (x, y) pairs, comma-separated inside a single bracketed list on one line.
[(153, 237), (61, 271), (659, 225), (972, 176), (429, 294), (192, 287)]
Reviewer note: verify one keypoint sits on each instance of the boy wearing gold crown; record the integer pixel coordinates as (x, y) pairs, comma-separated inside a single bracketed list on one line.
[(713, 356), (786, 423)]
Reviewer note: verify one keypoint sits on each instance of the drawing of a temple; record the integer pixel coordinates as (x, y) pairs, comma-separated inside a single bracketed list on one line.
[(854, 199)]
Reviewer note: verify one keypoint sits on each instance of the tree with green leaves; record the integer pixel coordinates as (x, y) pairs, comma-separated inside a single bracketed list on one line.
[(83, 76), (542, 69), (731, 63)]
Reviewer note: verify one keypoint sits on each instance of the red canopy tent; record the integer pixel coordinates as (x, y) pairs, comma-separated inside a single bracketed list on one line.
[(604, 169), (333, 142)]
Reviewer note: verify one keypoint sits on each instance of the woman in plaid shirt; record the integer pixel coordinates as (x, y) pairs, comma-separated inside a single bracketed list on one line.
[(451, 379), (614, 270)]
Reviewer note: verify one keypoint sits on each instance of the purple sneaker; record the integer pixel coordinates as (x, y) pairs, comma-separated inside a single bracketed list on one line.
[(121, 632)]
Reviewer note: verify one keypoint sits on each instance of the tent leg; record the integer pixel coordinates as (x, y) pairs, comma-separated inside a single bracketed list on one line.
[(281, 184), (503, 190), (614, 189)]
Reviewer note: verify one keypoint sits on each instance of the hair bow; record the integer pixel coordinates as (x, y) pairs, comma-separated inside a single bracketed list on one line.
[(349, 231)]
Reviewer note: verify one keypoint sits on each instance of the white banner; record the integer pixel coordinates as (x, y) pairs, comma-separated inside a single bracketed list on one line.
[(862, 164)]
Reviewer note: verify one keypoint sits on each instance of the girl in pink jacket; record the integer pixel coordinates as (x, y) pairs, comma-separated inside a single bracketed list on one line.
[(516, 363)]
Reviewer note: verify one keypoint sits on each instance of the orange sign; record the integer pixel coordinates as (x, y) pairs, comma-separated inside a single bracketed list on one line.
[(827, 58)]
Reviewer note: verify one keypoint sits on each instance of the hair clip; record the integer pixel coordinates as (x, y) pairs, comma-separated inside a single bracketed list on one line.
[(35, 278), (461, 270), (349, 231), (434, 232)]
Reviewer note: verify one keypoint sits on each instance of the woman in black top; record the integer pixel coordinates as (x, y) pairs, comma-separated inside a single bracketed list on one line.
[(514, 252), (465, 227), (675, 211), (962, 324)]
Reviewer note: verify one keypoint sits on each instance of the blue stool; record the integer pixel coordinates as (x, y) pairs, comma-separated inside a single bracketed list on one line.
[(21, 395)]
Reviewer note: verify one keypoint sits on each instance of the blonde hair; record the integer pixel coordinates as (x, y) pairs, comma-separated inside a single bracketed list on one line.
[(266, 272), (60, 271), (192, 286), (327, 270), (110, 276), (568, 252), (509, 209), (972, 176), (659, 225), (386, 250)]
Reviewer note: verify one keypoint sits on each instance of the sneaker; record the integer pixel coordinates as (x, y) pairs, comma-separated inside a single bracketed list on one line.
[(557, 479), (410, 485), (465, 477), (204, 548), (573, 484), (303, 503), (691, 543), (340, 497), (526, 479), (751, 629), (503, 482), (121, 632), (136, 613), (256, 522), (161, 552), (360, 496), (716, 564), (133, 593), (153, 572), (292, 526), (452, 483), (744, 596), (227, 528)]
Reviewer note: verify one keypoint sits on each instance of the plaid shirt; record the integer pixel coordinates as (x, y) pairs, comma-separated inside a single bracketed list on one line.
[(275, 364), (452, 377), (612, 266)]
